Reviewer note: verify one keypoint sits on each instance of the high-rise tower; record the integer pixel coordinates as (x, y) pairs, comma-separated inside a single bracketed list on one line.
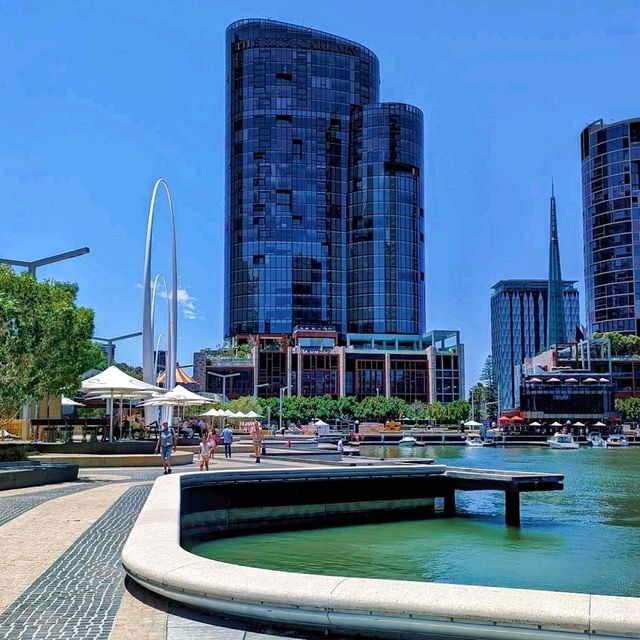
[(556, 328), (611, 211), (324, 219)]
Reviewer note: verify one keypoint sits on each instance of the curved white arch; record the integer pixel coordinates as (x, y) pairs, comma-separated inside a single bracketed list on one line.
[(159, 279), (172, 295)]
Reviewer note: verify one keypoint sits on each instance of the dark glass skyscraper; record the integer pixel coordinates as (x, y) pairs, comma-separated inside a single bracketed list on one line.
[(299, 102), (385, 220), (611, 220)]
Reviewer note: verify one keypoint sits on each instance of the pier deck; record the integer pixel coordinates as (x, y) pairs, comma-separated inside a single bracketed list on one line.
[(513, 483)]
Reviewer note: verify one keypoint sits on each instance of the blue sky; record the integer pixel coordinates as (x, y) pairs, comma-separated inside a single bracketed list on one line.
[(97, 99)]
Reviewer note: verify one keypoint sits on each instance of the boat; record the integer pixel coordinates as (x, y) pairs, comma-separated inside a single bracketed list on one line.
[(409, 441), (596, 440), (562, 441), (616, 441), (479, 442)]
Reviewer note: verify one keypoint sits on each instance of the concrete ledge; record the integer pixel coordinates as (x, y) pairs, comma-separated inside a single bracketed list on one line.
[(30, 474), (130, 460), (377, 608)]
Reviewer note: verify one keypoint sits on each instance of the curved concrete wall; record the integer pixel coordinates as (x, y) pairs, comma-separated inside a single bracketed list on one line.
[(380, 608)]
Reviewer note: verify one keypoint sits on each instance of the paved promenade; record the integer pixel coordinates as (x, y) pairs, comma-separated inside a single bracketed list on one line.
[(60, 575)]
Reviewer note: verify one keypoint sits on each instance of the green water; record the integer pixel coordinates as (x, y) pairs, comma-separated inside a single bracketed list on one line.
[(585, 538)]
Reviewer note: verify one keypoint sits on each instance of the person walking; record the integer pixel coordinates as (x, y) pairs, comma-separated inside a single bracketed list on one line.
[(257, 435), (213, 439), (205, 453), (227, 439), (166, 444)]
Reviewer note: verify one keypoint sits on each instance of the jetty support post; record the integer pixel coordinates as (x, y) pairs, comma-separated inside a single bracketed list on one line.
[(512, 508)]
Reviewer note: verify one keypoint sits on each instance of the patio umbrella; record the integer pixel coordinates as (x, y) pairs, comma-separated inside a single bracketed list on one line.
[(535, 424), (253, 414), (578, 424), (503, 419), (112, 381), (571, 380), (212, 413), (599, 424), (556, 424), (534, 380), (472, 423), (517, 419), (553, 379), (68, 402), (590, 380), (603, 380)]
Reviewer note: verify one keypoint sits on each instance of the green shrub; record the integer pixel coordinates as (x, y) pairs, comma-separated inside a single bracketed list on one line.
[(15, 452)]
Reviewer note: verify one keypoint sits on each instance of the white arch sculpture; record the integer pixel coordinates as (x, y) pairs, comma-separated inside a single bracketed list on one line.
[(172, 294)]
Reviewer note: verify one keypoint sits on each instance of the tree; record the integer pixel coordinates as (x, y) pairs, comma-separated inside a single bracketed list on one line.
[(458, 410), (436, 412), (45, 339), (621, 344), (416, 411), (487, 375), (244, 404), (379, 409), (476, 400), (133, 372), (628, 408), (347, 406)]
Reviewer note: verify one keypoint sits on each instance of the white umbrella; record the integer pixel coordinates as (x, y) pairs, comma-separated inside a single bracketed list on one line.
[(535, 424), (472, 423), (578, 424), (599, 424), (253, 414), (113, 381), (213, 413), (320, 423), (239, 414), (227, 414), (68, 402)]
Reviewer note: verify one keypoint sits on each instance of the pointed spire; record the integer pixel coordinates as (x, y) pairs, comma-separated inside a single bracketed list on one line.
[(556, 330)]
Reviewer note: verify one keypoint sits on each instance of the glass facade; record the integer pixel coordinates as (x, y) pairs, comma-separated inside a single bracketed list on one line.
[(519, 327), (385, 220), (289, 96), (611, 223)]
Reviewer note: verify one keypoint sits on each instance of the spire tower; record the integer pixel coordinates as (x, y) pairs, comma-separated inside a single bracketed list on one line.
[(556, 332)]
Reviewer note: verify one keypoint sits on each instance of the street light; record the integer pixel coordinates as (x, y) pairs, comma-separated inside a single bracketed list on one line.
[(109, 342), (282, 392), (32, 265), (224, 377), (259, 386)]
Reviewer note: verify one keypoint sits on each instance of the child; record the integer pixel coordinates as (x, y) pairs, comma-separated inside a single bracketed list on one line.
[(205, 452), (212, 439)]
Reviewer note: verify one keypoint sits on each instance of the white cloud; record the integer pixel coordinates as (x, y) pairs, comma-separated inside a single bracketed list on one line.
[(186, 302)]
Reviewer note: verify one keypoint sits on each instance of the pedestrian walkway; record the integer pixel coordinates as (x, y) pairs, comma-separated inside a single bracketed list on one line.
[(61, 576)]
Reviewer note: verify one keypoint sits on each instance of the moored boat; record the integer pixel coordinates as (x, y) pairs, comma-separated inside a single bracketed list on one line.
[(596, 441), (479, 442), (409, 441), (616, 441), (562, 441)]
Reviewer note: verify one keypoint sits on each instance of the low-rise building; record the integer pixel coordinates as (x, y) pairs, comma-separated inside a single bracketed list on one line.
[(312, 362)]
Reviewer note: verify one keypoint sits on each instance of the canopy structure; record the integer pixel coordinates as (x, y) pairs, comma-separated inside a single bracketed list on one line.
[(320, 423), (68, 402), (472, 423), (599, 424), (517, 419), (556, 424), (212, 413), (571, 380), (578, 424), (603, 380), (179, 396), (534, 380), (553, 379), (535, 424), (504, 419), (182, 377), (115, 382), (590, 380), (253, 414)]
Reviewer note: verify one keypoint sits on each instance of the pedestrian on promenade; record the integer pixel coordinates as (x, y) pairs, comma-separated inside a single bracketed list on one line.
[(257, 435), (227, 439), (205, 452), (213, 438), (166, 444)]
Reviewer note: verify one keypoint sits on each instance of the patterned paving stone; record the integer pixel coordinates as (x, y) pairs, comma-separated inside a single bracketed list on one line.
[(13, 506), (79, 595)]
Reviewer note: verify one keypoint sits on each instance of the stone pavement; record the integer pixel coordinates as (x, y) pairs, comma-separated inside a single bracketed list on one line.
[(61, 577)]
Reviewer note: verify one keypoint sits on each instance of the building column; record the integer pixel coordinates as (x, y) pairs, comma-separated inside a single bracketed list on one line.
[(512, 508), (342, 372), (387, 375)]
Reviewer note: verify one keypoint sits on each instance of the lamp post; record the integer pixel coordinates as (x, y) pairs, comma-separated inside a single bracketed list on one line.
[(109, 342), (32, 265), (224, 377), (259, 386), (282, 392)]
